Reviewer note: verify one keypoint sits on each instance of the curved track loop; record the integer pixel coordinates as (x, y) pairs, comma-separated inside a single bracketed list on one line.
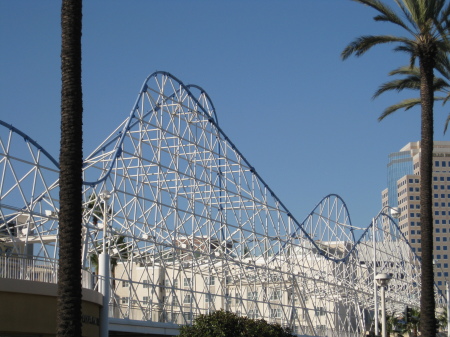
[(191, 226)]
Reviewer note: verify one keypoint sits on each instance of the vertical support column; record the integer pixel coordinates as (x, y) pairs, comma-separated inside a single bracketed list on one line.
[(375, 296), (383, 312), (448, 310), (103, 269)]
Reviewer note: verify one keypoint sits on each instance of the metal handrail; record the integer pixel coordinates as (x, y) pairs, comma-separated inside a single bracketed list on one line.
[(37, 269)]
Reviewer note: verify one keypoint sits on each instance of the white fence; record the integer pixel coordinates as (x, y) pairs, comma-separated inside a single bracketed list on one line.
[(38, 269)]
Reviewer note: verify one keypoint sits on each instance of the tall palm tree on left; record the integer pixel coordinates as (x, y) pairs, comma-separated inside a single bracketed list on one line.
[(70, 177)]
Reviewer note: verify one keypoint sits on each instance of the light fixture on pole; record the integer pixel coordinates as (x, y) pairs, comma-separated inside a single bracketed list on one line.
[(103, 268), (395, 213), (448, 308), (383, 280)]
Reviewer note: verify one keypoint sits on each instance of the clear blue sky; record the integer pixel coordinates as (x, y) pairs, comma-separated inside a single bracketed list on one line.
[(303, 117)]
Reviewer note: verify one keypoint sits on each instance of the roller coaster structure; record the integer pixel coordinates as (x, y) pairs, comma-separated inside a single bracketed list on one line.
[(191, 227)]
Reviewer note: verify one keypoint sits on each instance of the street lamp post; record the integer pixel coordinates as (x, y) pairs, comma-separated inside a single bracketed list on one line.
[(383, 280), (103, 269), (448, 309), (395, 213)]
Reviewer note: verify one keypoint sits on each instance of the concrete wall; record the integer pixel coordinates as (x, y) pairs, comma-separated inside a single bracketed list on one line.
[(30, 307)]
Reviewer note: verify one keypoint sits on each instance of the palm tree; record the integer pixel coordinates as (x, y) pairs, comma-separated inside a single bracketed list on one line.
[(396, 326), (413, 323), (443, 320), (70, 177), (427, 25), (411, 80)]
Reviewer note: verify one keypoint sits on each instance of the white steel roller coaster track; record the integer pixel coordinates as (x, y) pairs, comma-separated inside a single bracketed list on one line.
[(191, 227)]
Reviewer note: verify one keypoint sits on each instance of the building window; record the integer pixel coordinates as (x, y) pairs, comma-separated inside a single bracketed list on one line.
[(145, 283), (319, 311), (187, 282), (187, 298), (275, 313), (276, 294), (210, 280), (208, 298), (252, 295), (253, 313), (125, 284), (125, 300), (187, 316)]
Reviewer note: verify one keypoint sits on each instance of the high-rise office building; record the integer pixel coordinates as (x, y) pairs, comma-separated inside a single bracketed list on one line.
[(403, 191)]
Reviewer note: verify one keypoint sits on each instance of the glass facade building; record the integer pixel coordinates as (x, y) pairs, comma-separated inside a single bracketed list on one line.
[(403, 191)]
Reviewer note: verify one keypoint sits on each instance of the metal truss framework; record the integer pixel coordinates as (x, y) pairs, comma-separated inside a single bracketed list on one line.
[(191, 227)]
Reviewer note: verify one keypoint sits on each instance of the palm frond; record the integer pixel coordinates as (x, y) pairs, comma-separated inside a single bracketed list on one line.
[(398, 85), (387, 14), (363, 43), (446, 123), (408, 13), (405, 104), (445, 100), (443, 61), (406, 70), (408, 47)]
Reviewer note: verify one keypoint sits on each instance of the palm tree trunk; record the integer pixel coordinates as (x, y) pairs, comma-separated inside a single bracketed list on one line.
[(427, 301), (70, 178)]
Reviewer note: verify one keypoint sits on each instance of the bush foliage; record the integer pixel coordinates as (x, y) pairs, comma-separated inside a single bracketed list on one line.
[(227, 324)]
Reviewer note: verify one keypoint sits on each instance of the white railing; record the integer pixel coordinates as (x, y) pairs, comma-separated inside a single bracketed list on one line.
[(38, 269)]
